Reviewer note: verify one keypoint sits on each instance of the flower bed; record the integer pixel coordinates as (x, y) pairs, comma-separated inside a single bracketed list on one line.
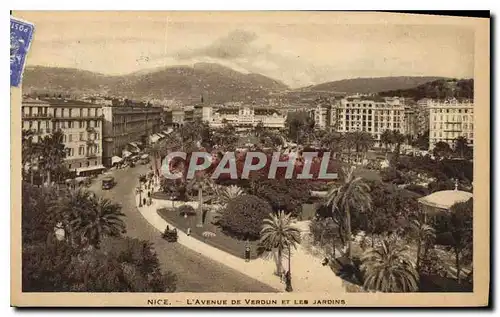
[(220, 240)]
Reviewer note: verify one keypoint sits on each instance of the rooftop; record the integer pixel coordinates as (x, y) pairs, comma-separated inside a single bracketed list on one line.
[(446, 198)]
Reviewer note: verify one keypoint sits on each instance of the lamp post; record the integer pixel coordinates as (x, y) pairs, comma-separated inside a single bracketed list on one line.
[(139, 191)]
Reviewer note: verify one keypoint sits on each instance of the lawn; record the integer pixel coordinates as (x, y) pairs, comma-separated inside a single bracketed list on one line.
[(220, 240)]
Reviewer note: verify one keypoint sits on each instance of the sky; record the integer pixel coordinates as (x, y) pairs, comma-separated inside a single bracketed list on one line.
[(298, 52)]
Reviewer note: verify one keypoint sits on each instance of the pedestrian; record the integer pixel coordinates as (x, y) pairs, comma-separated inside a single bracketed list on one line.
[(144, 201), (189, 231)]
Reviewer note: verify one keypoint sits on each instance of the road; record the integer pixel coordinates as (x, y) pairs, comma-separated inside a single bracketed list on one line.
[(195, 273)]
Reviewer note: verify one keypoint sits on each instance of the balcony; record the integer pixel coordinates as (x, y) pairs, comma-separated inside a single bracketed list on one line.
[(91, 155), (91, 142), (90, 129)]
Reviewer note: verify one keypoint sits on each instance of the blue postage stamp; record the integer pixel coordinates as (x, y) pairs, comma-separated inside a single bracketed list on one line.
[(21, 34)]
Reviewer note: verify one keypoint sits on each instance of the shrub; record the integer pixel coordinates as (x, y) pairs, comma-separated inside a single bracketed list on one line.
[(243, 216), (186, 210), (418, 189)]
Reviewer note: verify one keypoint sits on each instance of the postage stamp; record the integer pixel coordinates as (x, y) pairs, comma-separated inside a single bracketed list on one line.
[(21, 33)]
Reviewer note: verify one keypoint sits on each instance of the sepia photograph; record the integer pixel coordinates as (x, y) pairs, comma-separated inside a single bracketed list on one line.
[(261, 159)]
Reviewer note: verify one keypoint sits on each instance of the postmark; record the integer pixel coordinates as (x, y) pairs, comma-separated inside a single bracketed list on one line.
[(21, 35)]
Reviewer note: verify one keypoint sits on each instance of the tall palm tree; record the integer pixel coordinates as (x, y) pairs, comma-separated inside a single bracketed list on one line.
[(53, 152), (423, 234), (386, 139), (279, 233), (352, 195), (200, 183), (388, 268), (333, 142), (103, 219)]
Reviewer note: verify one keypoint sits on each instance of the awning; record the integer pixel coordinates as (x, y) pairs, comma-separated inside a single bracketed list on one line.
[(161, 135), (126, 153), (134, 146), (153, 138), (144, 156), (116, 159), (89, 168), (168, 131)]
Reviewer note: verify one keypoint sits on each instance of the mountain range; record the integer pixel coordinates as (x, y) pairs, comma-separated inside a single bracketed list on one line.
[(216, 83)]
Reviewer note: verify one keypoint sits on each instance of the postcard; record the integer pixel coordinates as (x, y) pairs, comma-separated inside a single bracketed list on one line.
[(249, 159)]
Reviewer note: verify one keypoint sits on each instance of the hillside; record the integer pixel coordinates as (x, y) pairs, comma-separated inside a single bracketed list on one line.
[(438, 89), (215, 82), (371, 85)]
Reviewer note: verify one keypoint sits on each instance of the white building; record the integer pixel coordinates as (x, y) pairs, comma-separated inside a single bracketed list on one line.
[(243, 117), (372, 115), (450, 119)]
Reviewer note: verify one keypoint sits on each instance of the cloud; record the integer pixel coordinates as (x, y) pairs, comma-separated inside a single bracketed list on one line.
[(236, 44)]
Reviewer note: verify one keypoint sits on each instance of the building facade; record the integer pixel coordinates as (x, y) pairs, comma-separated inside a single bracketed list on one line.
[(370, 115), (242, 118), (449, 120), (80, 123), (125, 125)]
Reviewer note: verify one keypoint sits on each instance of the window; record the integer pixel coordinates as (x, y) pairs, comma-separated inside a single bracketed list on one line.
[(64, 138), (81, 136), (80, 124), (98, 123), (69, 166), (80, 164)]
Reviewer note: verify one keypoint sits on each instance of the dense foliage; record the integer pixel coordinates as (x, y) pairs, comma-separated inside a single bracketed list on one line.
[(91, 256), (243, 216), (438, 89)]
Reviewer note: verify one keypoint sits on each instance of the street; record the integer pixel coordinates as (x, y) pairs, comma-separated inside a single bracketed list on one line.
[(195, 273)]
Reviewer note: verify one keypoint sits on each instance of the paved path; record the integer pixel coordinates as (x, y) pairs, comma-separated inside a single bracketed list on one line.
[(195, 272), (308, 274)]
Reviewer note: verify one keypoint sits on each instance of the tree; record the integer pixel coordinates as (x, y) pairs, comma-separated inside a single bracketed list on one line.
[(298, 125), (279, 233), (333, 142), (226, 137), (200, 183), (423, 234), (243, 216), (397, 138), (53, 153), (284, 194), (462, 149), (103, 219), (352, 195), (228, 193), (441, 150), (386, 138), (457, 227), (87, 219), (388, 268), (325, 233)]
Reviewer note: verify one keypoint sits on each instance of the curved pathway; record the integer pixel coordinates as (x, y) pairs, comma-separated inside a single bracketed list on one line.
[(195, 273)]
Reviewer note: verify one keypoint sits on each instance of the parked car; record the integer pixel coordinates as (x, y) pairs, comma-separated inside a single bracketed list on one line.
[(170, 235), (108, 182)]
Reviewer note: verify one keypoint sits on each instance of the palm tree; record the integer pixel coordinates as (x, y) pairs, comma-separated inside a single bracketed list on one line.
[(461, 147), (333, 142), (386, 139), (229, 193), (53, 152), (388, 268), (352, 195), (69, 210), (103, 219), (200, 182), (278, 233), (423, 234)]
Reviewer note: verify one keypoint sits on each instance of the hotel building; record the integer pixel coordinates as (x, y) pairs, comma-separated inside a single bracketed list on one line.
[(371, 115), (244, 117), (124, 127), (80, 123), (450, 119)]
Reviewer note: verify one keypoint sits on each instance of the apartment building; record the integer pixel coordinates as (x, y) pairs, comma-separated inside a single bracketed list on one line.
[(410, 121), (422, 116), (125, 127), (450, 119), (81, 124), (372, 115)]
